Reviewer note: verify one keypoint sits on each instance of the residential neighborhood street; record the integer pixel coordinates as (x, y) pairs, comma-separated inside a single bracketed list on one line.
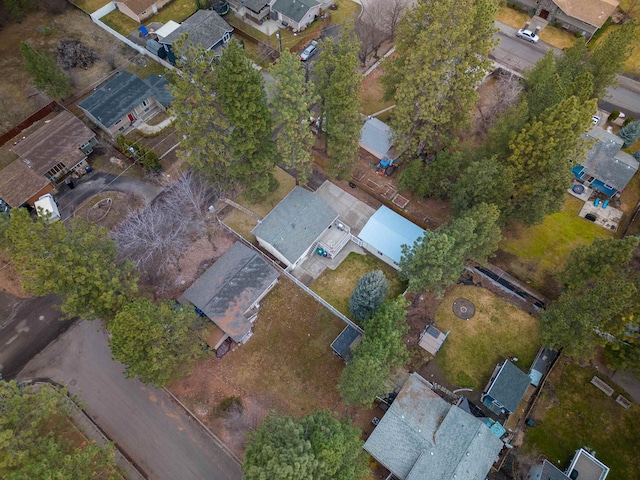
[(519, 55), (162, 440), (27, 326)]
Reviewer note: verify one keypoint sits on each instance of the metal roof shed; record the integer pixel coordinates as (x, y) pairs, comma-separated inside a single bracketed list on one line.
[(386, 232), (376, 137)]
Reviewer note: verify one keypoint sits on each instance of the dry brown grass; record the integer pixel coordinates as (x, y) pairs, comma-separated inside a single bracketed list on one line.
[(557, 37), (287, 366), (106, 214), (372, 93), (18, 99), (512, 18), (475, 346)]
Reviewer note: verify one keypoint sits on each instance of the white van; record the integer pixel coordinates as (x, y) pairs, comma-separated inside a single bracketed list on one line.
[(47, 205)]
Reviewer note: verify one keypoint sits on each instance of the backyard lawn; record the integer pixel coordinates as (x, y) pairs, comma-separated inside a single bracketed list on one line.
[(535, 254), (287, 366), (120, 23), (475, 346), (336, 286), (571, 413)]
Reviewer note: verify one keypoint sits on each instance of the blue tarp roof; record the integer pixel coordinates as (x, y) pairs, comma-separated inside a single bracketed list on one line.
[(387, 231)]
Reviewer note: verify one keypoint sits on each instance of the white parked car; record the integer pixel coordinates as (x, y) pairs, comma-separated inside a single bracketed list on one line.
[(595, 119), (306, 54), (527, 35)]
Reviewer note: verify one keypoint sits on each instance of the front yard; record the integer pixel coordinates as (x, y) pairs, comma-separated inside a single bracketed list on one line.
[(474, 347), (287, 366), (336, 286), (571, 413), (535, 254)]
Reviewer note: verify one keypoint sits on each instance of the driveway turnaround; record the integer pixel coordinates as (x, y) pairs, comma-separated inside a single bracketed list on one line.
[(156, 434)]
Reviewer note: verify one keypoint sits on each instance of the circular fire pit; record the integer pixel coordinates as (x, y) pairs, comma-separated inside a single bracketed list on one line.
[(463, 308)]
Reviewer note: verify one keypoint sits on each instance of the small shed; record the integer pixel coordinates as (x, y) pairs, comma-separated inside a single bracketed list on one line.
[(585, 466), (229, 291), (376, 138), (344, 343), (46, 205), (506, 389), (540, 366), (432, 339), (291, 230), (386, 232)]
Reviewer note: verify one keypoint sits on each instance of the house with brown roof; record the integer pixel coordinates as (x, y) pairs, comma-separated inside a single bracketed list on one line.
[(45, 155), (139, 10), (581, 16)]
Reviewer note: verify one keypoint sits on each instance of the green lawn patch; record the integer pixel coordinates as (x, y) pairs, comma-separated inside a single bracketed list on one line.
[(536, 253), (474, 347), (571, 413), (90, 6), (120, 22), (336, 286), (144, 71), (177, 10)]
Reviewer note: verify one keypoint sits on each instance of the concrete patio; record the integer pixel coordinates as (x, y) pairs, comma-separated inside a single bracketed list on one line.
[(608, 217)]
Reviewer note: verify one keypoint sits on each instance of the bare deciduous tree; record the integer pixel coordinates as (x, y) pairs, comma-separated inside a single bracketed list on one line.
[(507, 92), (157, 236), (394, 11), (370, 29)]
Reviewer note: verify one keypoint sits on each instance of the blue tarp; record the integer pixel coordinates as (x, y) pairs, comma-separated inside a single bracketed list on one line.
[(603, 188)]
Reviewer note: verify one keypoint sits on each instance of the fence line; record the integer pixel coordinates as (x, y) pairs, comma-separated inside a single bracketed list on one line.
[(290, 276), (101, 12)]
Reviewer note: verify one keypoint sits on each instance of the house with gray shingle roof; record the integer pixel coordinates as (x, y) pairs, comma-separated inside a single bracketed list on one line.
[(506, 389), (205, 28), (291, 230), (606, 167), (422, 437), (297, 14), (125, 101), (229, 291)]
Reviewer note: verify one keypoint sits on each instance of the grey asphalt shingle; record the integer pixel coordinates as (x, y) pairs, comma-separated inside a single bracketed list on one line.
[(120, 95), (294, 9), (605, 160), (295, 223), (509, 386), (422, 437), (230, 287), (204, 28)]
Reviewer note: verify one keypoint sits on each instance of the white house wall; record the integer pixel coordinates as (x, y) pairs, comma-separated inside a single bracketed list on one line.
[(386, 259)]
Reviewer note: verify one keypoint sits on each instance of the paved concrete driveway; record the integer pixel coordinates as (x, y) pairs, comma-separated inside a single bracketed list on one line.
[(162, 440)]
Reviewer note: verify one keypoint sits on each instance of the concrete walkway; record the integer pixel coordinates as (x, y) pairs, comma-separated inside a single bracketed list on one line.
[(146, 129)]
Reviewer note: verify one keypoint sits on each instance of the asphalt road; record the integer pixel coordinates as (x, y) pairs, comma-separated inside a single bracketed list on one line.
[(27, 326), (162, 440), (519, 55)]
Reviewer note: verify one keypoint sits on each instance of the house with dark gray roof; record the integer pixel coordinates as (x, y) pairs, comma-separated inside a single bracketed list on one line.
[(125, 101), (292, 229), (506, 389), (297, 14), (229, 292), (205, 29), (422, 437), (546, 471), (606, 167), (344, 343)]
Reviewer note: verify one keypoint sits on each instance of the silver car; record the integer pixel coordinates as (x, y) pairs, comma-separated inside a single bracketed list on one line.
[(306, 54), (527, 35)]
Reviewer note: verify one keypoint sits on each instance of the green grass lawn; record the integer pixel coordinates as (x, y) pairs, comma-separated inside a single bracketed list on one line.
[(178, 10), (474, 347), (336, 286), (151, 68), (571, 413), (90, 6), (536, 253), (120, 22)]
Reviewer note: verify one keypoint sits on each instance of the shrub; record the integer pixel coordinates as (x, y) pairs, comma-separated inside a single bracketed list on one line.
[(371, 290), (230, 406), (627, 121), (613, 116)]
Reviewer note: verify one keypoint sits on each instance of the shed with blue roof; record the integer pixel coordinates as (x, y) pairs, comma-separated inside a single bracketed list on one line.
[(386, 232)]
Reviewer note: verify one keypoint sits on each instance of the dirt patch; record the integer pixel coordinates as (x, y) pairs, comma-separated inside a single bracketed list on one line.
[(109, 209), (43, 32)]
